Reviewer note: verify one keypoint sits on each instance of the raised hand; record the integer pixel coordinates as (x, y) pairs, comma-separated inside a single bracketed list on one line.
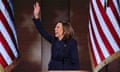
[(36, 10)]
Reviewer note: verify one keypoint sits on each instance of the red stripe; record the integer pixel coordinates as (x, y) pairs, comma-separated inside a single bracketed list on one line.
[(108, 23), (93, 54), (6, 46), (112, 6), (2, 61), (102, 35), (96, 43), (7, 27), (8, 8)]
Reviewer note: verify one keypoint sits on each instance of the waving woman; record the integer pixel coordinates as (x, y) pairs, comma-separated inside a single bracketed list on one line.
[(64, 47)]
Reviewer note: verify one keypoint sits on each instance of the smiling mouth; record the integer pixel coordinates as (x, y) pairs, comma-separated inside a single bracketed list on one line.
[(56, 33)]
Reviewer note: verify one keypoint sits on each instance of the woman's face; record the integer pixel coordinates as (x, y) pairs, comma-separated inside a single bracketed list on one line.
[(59, 30)]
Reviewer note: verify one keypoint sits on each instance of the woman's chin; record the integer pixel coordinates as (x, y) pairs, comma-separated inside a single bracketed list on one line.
[(56, 36)]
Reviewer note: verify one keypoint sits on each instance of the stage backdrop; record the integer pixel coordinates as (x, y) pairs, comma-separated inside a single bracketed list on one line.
[(34, 50)]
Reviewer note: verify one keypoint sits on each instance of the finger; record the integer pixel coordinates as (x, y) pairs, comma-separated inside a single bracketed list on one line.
[(35, 1), (37, 4)]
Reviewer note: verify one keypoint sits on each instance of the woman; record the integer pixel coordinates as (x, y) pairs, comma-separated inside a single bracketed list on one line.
[(64, 47)]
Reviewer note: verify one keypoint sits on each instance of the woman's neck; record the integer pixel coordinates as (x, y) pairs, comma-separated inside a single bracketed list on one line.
[(61, 37)]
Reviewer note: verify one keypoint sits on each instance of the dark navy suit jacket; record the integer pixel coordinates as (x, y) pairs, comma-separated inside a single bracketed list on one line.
[(64, 52)]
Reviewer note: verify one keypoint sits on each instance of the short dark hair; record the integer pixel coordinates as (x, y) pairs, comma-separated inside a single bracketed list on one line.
[(68, 30)]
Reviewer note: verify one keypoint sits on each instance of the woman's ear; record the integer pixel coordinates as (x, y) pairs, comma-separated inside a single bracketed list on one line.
[(64, 32)]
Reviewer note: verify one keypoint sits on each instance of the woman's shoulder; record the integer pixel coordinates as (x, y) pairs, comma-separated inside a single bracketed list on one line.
[(72, 41)]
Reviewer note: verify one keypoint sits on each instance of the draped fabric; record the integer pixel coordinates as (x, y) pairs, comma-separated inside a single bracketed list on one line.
[(104, 32), (8, 38)]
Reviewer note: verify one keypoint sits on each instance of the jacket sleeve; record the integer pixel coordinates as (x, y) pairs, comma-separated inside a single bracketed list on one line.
[(74, 55), (41, 30)]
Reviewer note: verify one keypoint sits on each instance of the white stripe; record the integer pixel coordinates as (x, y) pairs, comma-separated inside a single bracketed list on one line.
[(8, 39), (99, 40), (117, 6), (97, 57), (105, 28), (103, 2), (116, 27), (5, 55), (113, 20), (11, 6), (6, 14)]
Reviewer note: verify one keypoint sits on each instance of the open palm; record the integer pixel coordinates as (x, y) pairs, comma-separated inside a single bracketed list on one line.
[(36, 10)]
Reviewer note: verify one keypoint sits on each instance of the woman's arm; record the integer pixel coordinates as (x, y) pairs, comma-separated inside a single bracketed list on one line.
[(38, 24)]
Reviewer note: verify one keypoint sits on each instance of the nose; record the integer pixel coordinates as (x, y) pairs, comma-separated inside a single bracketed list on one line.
[(55, 28)]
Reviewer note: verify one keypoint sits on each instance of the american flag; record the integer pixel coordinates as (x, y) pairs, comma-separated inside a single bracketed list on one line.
[(104, 32), (8, 38)]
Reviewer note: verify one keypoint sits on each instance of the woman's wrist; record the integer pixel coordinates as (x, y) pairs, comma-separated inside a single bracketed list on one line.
[(36, 16)]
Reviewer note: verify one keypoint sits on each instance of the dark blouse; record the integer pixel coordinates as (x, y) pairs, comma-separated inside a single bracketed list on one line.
[(64, 52)]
